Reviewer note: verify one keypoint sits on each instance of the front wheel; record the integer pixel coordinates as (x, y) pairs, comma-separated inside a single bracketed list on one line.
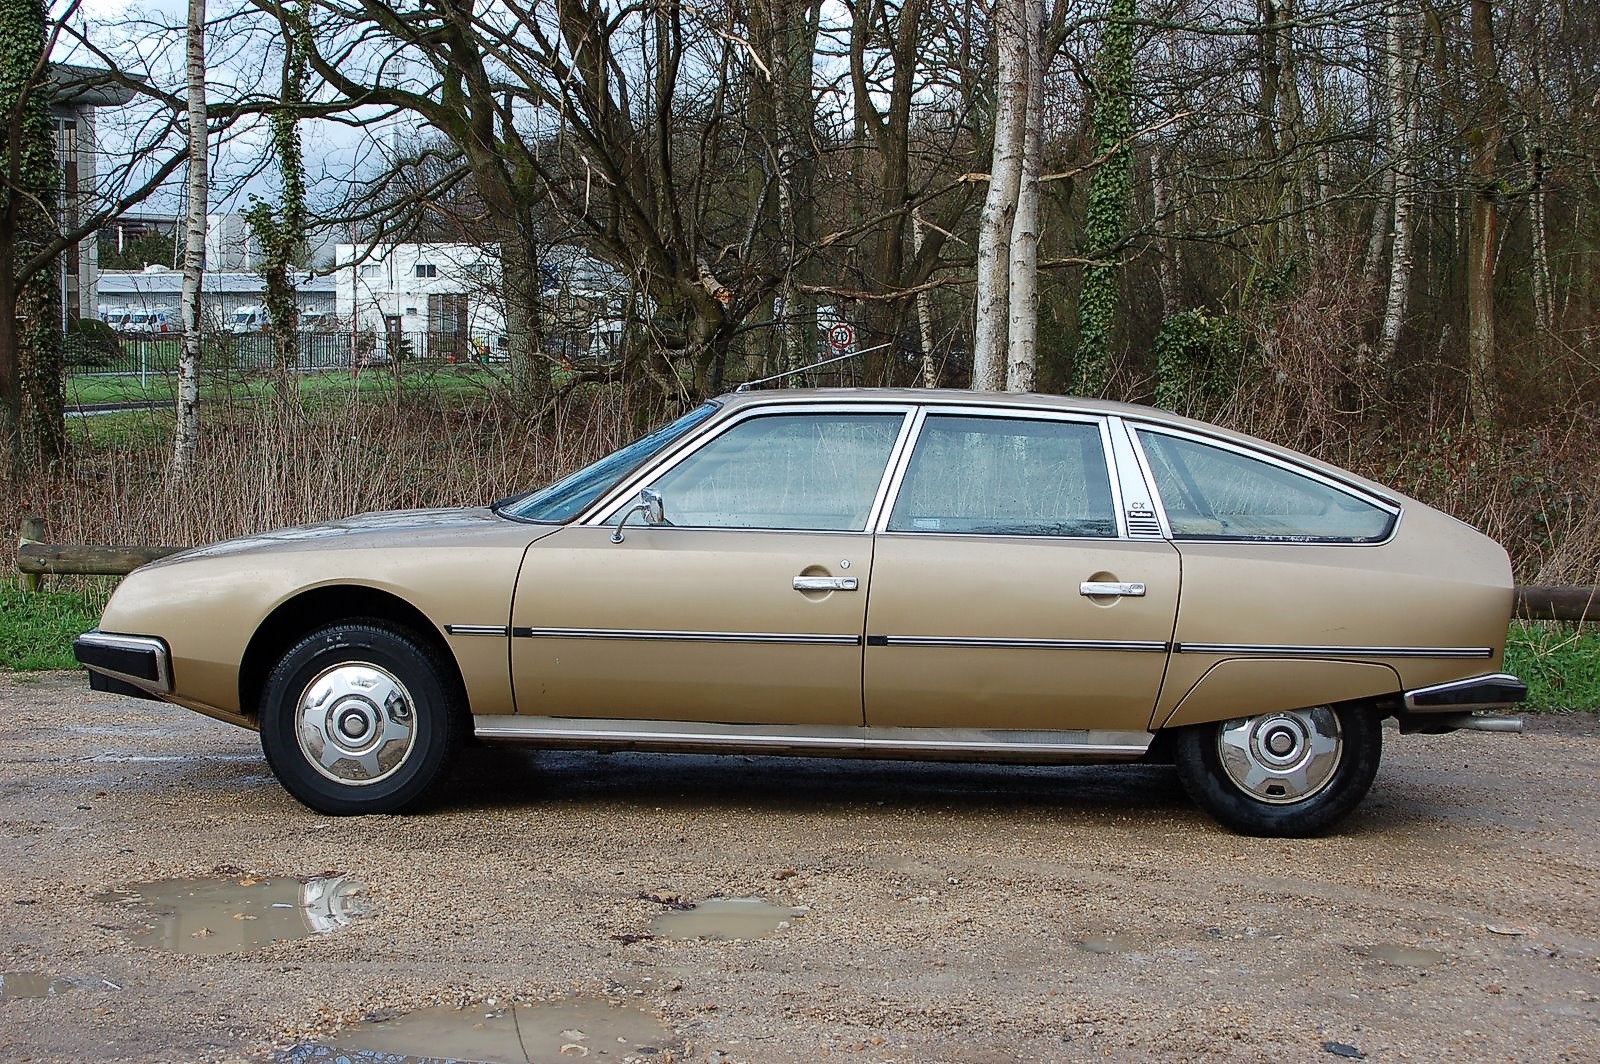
[(359, 718), (1290, 774)]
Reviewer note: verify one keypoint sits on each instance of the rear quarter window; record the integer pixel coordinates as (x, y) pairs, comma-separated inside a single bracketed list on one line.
[(1212, 492)]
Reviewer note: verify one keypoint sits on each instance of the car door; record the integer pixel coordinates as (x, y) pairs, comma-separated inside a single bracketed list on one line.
[(1006, 592), (747, 606)]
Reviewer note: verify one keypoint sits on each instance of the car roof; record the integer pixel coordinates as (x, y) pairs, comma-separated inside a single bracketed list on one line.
[(960, 397)]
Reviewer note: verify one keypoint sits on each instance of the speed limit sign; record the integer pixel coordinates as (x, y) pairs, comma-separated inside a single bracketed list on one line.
[(841, 335)]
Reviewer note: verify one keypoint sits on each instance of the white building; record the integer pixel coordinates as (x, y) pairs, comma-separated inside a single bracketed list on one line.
[(444, 296), (447, 299)]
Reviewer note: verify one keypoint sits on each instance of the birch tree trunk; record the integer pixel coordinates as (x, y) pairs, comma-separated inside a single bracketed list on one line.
[(930, 372), (1544, 315), (187, 436), (1023, 298), (1167, 263), (1402, 118), (993, 323), (1543, 312)]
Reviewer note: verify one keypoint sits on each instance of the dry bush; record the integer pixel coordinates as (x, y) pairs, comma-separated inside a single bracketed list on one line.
[(1536, 488), (261, 466), (1311, 349)]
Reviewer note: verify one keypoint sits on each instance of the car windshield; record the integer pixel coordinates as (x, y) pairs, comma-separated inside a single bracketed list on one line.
[(572, 494)]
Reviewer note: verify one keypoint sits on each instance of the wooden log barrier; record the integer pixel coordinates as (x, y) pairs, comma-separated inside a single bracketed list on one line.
[(75, 559), (1546, 603), (32, 532)]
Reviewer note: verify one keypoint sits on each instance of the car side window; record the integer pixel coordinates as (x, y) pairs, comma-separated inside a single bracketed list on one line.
[(1216, 493), (1006, 476), (817, 472)]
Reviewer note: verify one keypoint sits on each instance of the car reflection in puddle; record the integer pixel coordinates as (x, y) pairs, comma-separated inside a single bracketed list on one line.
[(574, 1029), (725, 919), (206, 917), (17, 986)]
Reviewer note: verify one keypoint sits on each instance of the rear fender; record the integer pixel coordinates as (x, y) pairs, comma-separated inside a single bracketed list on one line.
[(1247, 687)]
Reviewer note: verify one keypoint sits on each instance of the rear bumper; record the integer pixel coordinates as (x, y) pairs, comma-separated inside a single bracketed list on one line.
[(1498, 691), (1464, 705), (118, 662)]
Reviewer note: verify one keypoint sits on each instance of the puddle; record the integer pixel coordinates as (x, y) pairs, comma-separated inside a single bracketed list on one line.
[(725, 919), (1404, 956), (211, 916), (1106, 944), (14, 986), (577, 1029)]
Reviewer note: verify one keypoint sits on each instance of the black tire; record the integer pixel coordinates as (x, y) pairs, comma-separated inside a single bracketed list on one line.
[(1235, 772), (382, 719)]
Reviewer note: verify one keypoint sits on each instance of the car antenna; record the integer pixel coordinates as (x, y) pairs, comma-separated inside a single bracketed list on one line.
[(747, 385)]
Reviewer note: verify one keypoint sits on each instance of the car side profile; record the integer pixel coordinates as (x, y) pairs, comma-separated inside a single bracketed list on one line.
[(867, 573)]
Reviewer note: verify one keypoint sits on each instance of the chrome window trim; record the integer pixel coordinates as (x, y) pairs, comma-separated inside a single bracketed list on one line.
[(997, 412), (1132, 467), (1022, 536), (628, 489), (1332, 651), (671, 636), (1355, 491)]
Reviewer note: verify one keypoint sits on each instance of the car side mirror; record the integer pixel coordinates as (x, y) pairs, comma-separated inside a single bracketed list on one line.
[(650, 505)]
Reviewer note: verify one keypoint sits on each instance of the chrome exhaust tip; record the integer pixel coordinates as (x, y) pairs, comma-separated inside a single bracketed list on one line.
[(1473, 722)]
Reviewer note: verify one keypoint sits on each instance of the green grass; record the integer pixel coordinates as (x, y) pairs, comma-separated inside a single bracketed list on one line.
[(161, 388), (37, 627), (1560, 665)]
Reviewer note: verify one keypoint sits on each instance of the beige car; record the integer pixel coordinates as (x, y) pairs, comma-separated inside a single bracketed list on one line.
[(880, 574)]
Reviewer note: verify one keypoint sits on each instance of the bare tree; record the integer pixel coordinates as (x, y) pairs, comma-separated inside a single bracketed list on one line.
[(30, 322), (1484, 137), (1009, 19), (1403, 105), (187, 437), (1022, 354)]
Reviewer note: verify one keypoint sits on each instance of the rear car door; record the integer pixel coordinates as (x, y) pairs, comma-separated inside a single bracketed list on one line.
[(1007, 593)]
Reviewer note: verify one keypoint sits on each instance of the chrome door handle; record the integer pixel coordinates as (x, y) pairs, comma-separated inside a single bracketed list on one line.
[(1111, 587), (825, 583)]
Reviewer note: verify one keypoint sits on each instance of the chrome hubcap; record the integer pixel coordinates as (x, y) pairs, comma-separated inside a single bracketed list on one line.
[(1282, 757), (356, 723)]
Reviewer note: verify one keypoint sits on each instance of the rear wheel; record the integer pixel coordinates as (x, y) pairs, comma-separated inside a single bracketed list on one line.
[(1289, 774), (359, 718)]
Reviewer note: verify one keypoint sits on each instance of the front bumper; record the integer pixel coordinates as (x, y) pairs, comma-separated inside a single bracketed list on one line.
[(138, 665), (1462, 704)]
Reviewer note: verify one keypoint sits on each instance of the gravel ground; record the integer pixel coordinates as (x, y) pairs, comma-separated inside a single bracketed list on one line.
[(954, 912)]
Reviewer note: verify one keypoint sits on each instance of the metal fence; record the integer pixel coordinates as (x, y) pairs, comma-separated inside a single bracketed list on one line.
[(243, 354)]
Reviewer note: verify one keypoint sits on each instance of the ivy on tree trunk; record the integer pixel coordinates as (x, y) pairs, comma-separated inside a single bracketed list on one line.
[(1106, 218), (282, 231), (31, 406)]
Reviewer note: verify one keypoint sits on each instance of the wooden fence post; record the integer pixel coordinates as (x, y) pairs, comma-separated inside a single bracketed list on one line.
[(32, 532)]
